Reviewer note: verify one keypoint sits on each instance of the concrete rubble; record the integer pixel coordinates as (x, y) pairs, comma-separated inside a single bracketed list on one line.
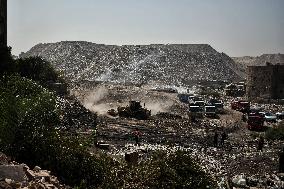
[(20, 176)]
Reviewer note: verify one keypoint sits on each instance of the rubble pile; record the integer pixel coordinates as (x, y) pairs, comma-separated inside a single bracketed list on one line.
[(15, 175), (167, 64)]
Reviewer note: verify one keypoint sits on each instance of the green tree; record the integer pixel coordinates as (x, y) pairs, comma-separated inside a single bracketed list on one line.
[(37, 69)]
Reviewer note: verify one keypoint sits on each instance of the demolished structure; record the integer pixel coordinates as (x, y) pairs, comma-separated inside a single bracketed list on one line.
[(266, 82)]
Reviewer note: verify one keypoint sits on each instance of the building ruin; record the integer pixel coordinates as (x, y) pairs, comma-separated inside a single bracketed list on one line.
[(266, 82)]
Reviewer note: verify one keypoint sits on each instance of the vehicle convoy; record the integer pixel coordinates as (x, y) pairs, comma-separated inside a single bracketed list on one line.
[(255, 122), (134, 110), (240, 105)]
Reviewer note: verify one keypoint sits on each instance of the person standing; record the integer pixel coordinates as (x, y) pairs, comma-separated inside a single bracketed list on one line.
[(281, 161), (260, 143), (136, 133), (223, 138), (215, 139)]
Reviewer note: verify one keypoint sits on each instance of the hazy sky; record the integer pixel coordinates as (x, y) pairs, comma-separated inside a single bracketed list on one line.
[(236, 27)]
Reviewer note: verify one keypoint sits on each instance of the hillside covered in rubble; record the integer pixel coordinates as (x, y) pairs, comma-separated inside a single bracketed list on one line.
[(174, 64)]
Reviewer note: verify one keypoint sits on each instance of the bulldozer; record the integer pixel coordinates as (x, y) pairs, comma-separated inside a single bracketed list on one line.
[(134, 110)]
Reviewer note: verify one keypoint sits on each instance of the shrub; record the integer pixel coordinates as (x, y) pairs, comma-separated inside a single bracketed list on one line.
[(29, 112), (163, 170), (37, 69), (42, 72), (7, 65), (276, 133), (8, 120), (28, 118)]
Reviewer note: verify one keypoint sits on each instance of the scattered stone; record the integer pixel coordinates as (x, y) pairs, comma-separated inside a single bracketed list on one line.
[(36, 169), (17, 175)]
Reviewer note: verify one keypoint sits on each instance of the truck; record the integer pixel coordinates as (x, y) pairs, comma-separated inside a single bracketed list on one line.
[(241, 105), (255, 122), (195, 112), (210, 111), (218, 104)]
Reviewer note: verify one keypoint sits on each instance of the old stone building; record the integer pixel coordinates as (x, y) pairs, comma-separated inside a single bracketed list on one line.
[(265, 82)]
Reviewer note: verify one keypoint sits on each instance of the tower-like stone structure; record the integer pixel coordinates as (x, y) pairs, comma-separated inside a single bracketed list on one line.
[(265, 82), (3, 24)]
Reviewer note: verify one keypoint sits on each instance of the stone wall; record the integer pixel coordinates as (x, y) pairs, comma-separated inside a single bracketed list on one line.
[(265, 82)]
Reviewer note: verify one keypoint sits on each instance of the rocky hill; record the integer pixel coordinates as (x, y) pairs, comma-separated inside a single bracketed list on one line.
[(259, 60), (244, 61), (271, 58), (173, 64)]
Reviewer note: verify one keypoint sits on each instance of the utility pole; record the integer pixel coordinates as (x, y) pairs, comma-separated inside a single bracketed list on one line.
[(4, 50), (3, 24)]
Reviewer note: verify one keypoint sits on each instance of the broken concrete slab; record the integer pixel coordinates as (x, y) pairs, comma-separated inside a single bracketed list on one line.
[(14, 172)]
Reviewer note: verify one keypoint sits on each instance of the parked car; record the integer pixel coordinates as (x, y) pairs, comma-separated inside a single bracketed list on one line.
[(280, 115), (270, 117)]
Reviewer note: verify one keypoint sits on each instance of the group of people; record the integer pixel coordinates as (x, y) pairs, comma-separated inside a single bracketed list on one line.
[(219, 138)]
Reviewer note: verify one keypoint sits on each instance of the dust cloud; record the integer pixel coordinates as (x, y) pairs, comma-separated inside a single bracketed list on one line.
[(158, 106), (94, 100)]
